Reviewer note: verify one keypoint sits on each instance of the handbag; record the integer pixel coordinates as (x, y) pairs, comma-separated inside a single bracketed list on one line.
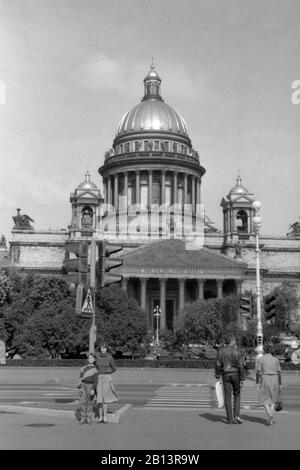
[(278, 404), (219, 393)]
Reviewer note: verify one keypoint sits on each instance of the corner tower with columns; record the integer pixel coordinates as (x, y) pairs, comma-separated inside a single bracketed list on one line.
[(86, 204)]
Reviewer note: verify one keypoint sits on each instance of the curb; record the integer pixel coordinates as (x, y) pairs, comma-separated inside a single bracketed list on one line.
[(111, 417)]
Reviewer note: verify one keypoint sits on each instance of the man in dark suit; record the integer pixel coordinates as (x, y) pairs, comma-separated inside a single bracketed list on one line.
[(229, 365)]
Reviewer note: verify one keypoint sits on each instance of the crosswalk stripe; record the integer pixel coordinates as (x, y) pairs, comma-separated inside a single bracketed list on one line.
[(179, 396)]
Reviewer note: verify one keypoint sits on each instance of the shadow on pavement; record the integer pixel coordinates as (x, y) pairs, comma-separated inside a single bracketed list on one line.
[(253, 419), (212, 417), (222, 419)]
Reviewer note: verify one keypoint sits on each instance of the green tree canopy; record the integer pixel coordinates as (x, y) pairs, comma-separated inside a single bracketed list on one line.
[(120, 321), (209, 321)]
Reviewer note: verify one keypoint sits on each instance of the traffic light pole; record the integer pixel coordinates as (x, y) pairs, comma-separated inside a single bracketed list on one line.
[(92, 334)]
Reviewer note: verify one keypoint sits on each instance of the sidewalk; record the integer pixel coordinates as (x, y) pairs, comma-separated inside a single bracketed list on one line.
[(125, 375), (152, 430)]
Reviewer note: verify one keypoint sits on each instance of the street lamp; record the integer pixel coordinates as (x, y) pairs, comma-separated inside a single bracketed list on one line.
[(257, 224), (157, 312)]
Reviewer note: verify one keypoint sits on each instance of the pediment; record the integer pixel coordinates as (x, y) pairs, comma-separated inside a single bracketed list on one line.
[(242, 199), (87, 195)]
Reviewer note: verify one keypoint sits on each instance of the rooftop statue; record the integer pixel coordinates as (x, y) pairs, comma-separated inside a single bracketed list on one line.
[(2, 242), (22, 221), (294, 230)]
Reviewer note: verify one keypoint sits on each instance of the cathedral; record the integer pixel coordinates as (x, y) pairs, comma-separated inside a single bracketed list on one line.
[(152, 205)]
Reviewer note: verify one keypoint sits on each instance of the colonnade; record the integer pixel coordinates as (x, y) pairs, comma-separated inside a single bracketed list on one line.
[(181, 292), (179, 181)]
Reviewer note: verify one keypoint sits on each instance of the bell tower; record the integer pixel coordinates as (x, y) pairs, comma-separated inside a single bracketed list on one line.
[(86, 204), (238, 214)]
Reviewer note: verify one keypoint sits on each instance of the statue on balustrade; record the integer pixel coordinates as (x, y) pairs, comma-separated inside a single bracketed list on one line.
[(294, 230), (22, 221)]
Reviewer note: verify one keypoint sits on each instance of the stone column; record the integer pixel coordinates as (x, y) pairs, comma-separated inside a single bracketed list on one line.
[(109, 189), (220, 288), (116, 190), (248, 223), (175, 189), (193, 194), (126, 187), (198, 196), (105, 189), (149, 188), (143, 293), (162, 285), (181, 293), (163, 186), (137, 187), (185, 201), (198, 191), (200, 289)]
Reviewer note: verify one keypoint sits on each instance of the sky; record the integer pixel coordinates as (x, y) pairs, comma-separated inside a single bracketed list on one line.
[(70, 69)]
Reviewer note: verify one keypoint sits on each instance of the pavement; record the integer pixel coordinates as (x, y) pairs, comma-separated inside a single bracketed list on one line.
[(154, 430), (125, 375), (69, 375), (51, 428)]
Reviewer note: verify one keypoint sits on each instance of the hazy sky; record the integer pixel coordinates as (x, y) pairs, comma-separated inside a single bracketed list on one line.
[(72, 68)]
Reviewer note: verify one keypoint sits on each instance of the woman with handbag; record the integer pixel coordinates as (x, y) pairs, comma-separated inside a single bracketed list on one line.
[(268, 381)]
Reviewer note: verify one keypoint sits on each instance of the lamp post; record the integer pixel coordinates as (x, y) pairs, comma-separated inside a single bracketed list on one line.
[(257, 224), (157, 312)]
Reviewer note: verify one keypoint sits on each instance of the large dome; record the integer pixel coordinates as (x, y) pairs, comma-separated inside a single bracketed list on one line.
[(152, 114)]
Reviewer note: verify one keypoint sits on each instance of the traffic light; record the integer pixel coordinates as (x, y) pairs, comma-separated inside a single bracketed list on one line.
[(78, 263), (246, 305), (270, 306), (106, 264)]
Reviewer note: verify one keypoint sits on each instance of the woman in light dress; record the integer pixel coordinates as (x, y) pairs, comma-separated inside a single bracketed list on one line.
[(105, 390), (268, 381)]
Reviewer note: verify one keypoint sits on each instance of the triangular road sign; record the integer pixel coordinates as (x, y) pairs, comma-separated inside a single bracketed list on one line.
[(88, 303)]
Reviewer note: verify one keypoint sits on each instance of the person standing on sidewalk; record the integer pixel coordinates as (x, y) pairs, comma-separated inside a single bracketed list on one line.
[(86, 390), (103, 381), (268, 381), (229, 366)]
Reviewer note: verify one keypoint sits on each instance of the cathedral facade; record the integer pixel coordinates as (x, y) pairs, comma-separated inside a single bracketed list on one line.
[(152, 205)]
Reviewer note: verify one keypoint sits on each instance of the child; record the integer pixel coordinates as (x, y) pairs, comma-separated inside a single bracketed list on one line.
[(86, 390)]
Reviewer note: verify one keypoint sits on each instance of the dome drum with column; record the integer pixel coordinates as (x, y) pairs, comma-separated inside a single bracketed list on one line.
[(152, 160)]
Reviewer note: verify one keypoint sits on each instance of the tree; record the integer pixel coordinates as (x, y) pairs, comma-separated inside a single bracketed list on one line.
[(40, 308), (210, 321), (120, 321), (5, 288), (49, 332)]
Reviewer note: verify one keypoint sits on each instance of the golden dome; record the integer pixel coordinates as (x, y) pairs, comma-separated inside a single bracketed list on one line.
[(152, 114), (87, 183), (239, 188)]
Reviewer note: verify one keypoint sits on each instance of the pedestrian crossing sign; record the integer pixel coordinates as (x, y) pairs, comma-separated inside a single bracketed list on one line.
[(88, 303)]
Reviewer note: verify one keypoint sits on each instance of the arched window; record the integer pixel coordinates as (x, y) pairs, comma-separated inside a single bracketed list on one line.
[(87, 217), (242, 221)]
